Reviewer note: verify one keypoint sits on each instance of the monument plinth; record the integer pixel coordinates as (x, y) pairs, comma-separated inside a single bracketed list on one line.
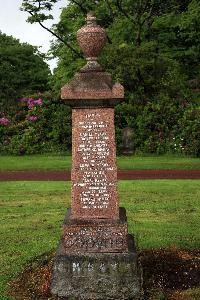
[(96, 258)]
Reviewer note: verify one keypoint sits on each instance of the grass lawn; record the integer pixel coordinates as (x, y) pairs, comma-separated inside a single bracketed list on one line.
[(55, 162), (161, 213)]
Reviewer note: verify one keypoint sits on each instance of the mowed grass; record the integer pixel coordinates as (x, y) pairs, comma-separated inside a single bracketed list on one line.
[(56, 162), (30, 222), (158, 162), (161, 213), (35, 162)]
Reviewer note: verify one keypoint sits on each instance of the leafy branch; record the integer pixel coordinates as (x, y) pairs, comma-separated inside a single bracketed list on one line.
[(36, 8), (80, 5)]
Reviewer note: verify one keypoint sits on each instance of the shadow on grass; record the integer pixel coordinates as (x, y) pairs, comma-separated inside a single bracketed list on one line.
[(168, 274)]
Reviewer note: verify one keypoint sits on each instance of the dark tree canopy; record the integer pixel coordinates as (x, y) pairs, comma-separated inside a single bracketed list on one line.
[(22, 71), (153, 50), (154, 45)]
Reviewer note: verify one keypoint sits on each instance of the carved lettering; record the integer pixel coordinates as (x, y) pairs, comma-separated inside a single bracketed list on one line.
[(93, 150), (93, 238)]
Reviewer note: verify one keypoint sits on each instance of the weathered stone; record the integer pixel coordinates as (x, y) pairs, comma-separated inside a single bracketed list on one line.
[(97, 235), (128, 141), (92, 86), (99, 276)]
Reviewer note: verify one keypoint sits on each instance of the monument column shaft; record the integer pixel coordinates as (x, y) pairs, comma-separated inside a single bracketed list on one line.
[(94, 171)]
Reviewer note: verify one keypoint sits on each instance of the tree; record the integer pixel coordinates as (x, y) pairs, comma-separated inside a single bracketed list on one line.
[(148, 40), (22, 71), (153, 50), (39, 11)]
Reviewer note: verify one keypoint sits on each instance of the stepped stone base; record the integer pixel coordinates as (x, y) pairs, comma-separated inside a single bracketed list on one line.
[(94, 276), (96, 259)]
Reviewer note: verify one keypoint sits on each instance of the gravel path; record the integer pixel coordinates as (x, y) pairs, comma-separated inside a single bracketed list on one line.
[(122, 175)]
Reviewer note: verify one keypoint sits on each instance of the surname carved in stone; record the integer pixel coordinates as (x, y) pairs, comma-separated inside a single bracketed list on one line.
[(97, 238)]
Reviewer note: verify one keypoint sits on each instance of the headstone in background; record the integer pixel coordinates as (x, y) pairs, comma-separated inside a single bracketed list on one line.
[(96, 258), (128, 141)]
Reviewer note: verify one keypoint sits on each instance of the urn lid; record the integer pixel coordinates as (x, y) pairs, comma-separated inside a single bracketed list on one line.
[(91, 38)]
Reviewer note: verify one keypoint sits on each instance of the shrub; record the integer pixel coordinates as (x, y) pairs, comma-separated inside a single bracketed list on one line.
[(39, 126), (161, 126)]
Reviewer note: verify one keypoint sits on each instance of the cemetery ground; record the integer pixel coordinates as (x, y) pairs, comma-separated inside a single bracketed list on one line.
[(164, 216)]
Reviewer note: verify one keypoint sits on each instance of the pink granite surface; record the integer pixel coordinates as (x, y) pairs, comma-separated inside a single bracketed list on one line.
[(92, 238), (94, 172), (91, 38), (92, 85), (94, 224)]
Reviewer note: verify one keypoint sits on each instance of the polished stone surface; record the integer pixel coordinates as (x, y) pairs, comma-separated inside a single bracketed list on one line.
[(94, 171)]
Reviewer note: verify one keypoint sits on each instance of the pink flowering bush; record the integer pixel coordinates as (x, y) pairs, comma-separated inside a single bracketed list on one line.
[(44, 126), (4, 121), (32, 118), (31, 103), (39, 126), (4, 125)]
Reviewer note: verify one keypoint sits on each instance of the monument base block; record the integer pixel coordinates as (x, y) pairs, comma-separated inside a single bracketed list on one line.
[(95, 236), (94, 276), (106, 268)]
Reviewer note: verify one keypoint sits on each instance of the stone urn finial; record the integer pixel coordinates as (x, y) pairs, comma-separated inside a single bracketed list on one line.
[(91, 38)]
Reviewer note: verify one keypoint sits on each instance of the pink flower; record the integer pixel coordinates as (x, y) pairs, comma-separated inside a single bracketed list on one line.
[(38, 102), (32, 102), (32, 118), (4, 121)]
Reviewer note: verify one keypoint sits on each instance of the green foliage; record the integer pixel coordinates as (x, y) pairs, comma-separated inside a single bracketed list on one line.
[(154, 53), (163, 125), (48, 131), (188, 128), (22, 72), (38, 9), (153, 50)]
